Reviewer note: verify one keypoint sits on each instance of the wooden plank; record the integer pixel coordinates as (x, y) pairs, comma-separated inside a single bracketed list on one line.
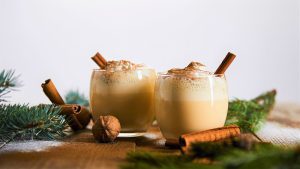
[(79, 151)]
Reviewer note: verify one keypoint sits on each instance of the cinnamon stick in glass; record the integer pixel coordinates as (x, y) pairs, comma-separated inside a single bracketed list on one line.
[(99, 60), (225, 63), (78, 116)]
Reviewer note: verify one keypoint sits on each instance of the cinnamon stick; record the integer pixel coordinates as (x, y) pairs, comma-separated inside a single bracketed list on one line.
[(78, 116), (172, 143), (99, 60), (225, 63), (52, 93), (216, 134)]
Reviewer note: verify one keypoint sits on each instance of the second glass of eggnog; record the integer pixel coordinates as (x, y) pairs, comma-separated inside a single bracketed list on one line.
[(189, 100)]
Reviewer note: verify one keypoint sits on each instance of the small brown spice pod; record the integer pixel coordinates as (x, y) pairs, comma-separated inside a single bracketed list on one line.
[(78, 116), (211, 135)]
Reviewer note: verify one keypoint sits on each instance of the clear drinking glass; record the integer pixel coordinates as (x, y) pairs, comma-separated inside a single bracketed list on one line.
[(188, 103), (127, 95)]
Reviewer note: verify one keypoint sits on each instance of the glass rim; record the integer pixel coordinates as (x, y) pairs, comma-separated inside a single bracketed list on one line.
[(194, 75), (139, 68)]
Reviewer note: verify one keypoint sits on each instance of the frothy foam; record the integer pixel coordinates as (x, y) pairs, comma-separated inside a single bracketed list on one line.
[(202, 88), (194, 68), (121, 65), (193, 82), (123, 81)]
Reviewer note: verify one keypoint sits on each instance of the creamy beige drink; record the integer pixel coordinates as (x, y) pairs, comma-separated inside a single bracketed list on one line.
[(126, 91), (190, 99)]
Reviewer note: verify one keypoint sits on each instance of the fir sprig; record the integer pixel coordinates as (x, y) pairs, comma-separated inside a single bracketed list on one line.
[(24, 122), (145, 160), (249, 115), (8, 83), (75, 97), (237, 153), (263, 156), (221, 155)]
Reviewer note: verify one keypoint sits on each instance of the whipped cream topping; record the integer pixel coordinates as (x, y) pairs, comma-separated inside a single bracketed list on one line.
[(122, 65), (194, 83), (192, 68), (196, 66)]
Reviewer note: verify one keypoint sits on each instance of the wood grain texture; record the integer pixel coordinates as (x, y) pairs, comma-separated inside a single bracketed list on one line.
[(70, 155), (78, 151)]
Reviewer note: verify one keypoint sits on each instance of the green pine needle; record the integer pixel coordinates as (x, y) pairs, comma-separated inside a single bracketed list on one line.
[(22, 122), (235, 154), (229, 154), (263, 156), (8, 83), (145, 160), (75, 97), (250, 115)]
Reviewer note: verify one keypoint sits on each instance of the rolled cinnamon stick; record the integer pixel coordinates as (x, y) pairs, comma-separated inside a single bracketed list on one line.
[(52, 93), (225, 63), (216, 134), (78, 116), (99, 60), (172, 143)]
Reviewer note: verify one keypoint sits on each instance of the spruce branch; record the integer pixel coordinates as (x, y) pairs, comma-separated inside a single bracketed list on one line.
[(8, 83), (250, 115), (266, 100), (75, 97), (242, 153), (21, 122), (146, 160), (228, 154)]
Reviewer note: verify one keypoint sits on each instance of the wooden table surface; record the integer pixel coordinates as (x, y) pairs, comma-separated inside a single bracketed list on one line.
[(81, 151)]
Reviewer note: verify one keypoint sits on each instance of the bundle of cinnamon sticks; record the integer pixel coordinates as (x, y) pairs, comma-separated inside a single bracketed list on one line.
[(78, 116)]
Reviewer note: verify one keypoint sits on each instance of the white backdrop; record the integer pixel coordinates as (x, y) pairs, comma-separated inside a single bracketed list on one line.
[(56, 38)]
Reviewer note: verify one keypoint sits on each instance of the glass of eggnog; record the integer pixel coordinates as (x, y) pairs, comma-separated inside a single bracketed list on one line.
[(190, 99), (126, 91)]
